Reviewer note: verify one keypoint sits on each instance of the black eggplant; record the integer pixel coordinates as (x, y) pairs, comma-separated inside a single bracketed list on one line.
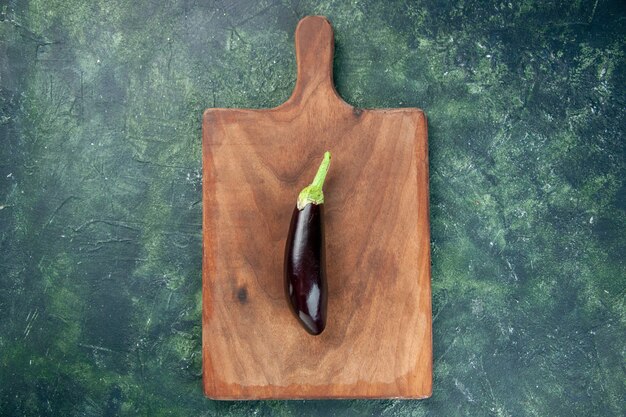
[(305, 266)]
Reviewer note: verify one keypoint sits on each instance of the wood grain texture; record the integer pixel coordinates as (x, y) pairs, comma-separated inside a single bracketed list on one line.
[(377, 342)]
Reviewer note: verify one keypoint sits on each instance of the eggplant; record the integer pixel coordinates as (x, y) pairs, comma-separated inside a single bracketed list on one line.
[(305, 256)]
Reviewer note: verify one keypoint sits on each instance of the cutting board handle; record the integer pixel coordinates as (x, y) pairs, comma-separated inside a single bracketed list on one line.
[(315, 47)]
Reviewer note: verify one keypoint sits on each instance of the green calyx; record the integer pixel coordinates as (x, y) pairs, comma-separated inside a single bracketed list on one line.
[(313, 194)]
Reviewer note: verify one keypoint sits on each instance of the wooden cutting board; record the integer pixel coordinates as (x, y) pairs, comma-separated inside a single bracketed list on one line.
[(377, 342)]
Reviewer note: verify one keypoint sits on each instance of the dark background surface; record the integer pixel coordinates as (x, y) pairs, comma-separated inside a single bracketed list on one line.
[(100, 188)]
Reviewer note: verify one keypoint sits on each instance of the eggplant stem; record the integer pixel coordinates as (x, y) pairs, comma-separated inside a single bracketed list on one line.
[(313, 193)]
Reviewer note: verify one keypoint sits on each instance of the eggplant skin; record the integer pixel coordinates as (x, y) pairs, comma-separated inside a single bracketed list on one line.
[(305, 268)]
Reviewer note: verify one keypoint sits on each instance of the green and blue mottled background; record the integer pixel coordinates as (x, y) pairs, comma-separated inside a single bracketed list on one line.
[(100, 189)]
